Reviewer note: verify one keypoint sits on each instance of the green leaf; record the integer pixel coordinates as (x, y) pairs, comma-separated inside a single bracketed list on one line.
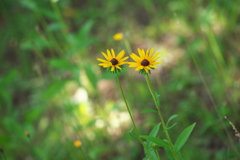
[(169, 153), (132, 135), (62, 64), (153, 133), (183, 137), (159, 142), (171, 118), (91, 74), (157, 96), (53, 89), (171, 126), (148, 110)]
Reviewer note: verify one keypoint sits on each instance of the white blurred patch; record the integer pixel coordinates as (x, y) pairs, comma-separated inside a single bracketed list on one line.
[(117, 122), (100, 123), (54, 1), (80, 96), (91, 135)]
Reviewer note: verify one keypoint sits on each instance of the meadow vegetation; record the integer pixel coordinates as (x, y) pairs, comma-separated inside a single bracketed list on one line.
[(57, 103)]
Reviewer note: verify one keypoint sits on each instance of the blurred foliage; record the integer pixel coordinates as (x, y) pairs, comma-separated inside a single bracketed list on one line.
[(51, 86)]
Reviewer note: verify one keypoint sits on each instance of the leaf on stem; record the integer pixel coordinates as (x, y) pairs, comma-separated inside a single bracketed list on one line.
[(171, 118), (158, 141), (153, 133), (132, 135), (183, 137)]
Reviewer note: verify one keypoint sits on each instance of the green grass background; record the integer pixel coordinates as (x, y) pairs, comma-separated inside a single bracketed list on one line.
[(48, 54)]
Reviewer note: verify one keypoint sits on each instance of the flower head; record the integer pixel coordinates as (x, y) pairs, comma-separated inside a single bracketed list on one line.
[(118, 36), (145, 61), (112, 61), (77, 143), (27, 133)]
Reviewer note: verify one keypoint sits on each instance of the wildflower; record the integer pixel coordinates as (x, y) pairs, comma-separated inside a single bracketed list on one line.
[(145, 62), (77, 143), (118, 36), (112, 61), (27, 133)]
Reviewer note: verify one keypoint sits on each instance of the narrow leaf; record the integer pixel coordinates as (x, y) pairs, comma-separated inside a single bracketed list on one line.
[(171, 118), (148, 110), (157, 96), (169, 153), (155, 130), (183, 137), (132, 135), (159, 142), (171, 126), (153, 133)]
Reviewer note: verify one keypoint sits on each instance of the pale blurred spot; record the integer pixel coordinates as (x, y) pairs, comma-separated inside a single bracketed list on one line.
[(100, 123), (80, 96), (107, 90), (91, 135), (54, 1), (118, 122)]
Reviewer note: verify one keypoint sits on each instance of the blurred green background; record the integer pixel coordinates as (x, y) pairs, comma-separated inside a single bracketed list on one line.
[(52, 87)]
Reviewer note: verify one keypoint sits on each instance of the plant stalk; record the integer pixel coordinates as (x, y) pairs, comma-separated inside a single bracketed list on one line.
[(160, 114), (129, 111)]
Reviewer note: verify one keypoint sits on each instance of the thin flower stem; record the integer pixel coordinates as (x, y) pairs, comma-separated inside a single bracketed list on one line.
[(157, 154), (129, 111), (127, 45), (160, 114)]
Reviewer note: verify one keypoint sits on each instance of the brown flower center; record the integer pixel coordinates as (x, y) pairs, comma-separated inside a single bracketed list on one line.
[(114, 61), (145, 62)]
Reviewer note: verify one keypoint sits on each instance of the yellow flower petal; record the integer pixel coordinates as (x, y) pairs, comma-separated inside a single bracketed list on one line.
[(147, 56), (156, 58), (118, 67), (134, 65), (116, 64), (156, 62), (151, 52), (121, 54), (146, 70), (147, 53), (153, 66), (136, 58), (101, 60), (109, 54), (112, 69), (155, 55), (113, 53), (141, 53), (123, 59), (108, 58)]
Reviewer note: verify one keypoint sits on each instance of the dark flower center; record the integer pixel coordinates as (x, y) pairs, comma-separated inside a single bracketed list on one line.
[(114, 61), (145, 62)]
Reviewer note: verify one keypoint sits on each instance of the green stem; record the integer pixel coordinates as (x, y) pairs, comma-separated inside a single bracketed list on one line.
[(156, 151), (127, 45), (129, 111), (160, 114)]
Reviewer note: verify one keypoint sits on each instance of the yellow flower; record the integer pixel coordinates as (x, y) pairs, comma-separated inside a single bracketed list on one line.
[(27, 133), (145, 62), (118, 36), (115, 62), (77, 143)]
